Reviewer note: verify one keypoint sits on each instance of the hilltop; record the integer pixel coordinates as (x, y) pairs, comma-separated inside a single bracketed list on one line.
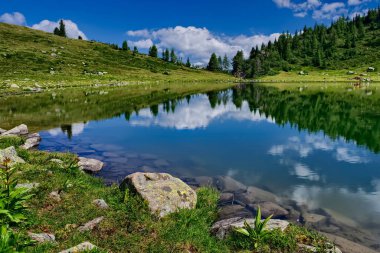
[(30, 56)]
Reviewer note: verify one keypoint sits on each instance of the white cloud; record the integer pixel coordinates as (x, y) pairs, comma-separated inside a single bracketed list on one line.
[(349, 156), (331, 11), (299, 9), (72, 29), (357, 2), (198, 115), (304, 172), (198, 43), (15, 18)]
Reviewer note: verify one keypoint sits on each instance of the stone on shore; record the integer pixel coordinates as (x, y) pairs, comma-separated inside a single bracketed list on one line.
[(84, 246), (164, 193), (100, 203), (91, 165), (347, 245), (228, 184), (18, 130), (42, 238), (222, 228), (28, 186), (254, 195), (11, 154), (90, 225), (32, 141)]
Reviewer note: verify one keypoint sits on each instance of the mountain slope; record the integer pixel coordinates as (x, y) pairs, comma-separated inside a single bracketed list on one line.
[(46, 58)]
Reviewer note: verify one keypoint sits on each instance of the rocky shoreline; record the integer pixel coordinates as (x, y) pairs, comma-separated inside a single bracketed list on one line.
[(166, 194)]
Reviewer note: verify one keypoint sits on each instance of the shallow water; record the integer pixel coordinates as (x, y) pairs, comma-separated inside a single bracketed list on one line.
[(318, 150)]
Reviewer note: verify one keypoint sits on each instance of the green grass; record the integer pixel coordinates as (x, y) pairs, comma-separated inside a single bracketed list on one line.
[(29, 57), (128, 226)]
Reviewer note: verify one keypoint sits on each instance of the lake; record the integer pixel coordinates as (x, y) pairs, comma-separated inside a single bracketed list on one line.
[(316, 148)]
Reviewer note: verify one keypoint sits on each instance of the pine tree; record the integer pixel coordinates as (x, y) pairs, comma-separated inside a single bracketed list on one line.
[(153, 52), (125, 46), (213, 64), (220, 63), (62, 29), (56, 31), (80, 37), (167, 55), (173, 56), (188, 64), (226, 63), (238, 64)]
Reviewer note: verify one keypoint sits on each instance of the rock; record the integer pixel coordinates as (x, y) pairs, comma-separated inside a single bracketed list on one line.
[(254, 195), (42, 238), (230, 211), (226, 197), (14, 86), (204, 181), (164, 193), (33, 140), (228, 184), (100, 203), (332, 249), (90, 225), (70, 226), (91, 165), (55, 196), (85, 246), (348, 246), (270, 208), (19, 130), (11, 154), (221, 228), (28, 186), (371, 69), (2, 131), (312, 219)]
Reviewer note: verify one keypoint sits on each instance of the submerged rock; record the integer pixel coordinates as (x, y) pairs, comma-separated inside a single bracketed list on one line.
[(164, 193), (18, 130), (228, 184), (11, 154), (42, 238), (254, 195), (91, 165), (313, 219), (32, 140), (222, 228), (90, 225), (347, 245), (270, 208), (84, 246)]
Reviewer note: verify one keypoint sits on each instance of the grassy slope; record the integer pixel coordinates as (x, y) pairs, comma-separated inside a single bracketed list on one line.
[(28, 56)]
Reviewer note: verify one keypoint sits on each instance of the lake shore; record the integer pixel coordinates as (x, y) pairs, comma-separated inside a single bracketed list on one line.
[(63, 192)]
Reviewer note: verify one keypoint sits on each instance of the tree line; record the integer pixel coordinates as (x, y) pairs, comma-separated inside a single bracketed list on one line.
[(319, 46)]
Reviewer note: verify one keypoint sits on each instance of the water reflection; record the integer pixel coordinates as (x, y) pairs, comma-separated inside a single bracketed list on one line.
[(316, 151)]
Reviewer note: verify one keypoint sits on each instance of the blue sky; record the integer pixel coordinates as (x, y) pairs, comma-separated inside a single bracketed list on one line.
[(195, 28)]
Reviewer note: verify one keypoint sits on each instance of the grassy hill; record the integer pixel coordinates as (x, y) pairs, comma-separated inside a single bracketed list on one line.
[(29, 56)]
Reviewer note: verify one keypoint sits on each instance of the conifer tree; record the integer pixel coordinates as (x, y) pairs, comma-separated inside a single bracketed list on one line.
[(238, 64), (173, 56), (62, 29), (153, 52), (220, 63), (125, 46), (188, 64), (213, 64), (135, 50), (226, 63)]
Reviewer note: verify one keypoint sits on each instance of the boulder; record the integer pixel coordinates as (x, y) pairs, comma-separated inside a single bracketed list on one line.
[(254, 195), (226, 197), (32, 140), (2, 131), (18, 130), (164, 193), (222, 228), (347, 245), (54, 195), (91, 165), (42, 238), (84, 246), (90, 225), (11, 154), (100, 203), (270, 208), (228, 184), (313, 219)]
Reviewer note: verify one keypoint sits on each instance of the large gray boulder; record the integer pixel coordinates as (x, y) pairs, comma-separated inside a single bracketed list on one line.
[(18, 130), (32, 141), (91, 165), (222, 228), (11, 154), (255, 195), (228, 184), (164, 193), (90, 225), (42, 238), (269, 208)]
